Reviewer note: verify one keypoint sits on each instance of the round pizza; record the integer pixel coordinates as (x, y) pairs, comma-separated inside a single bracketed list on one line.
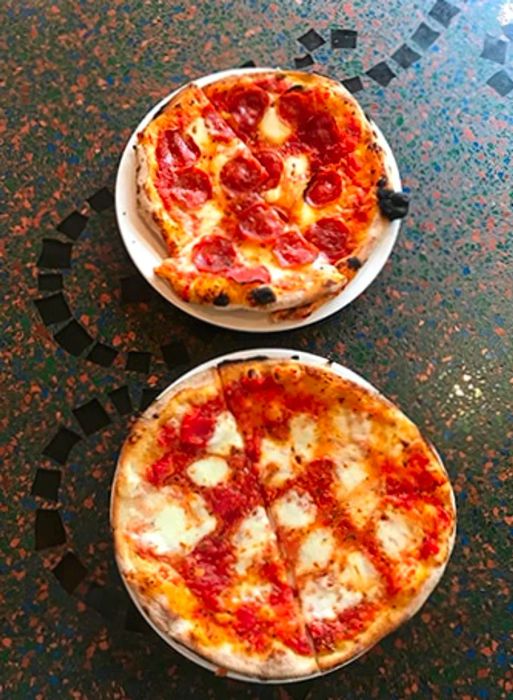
[(277, 519), (269, 189)]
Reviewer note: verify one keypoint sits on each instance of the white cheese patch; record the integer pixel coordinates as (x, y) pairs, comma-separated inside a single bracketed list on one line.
[(359, 573), (273, 128), (396, 534), (225, 436), (251, 539), (198, 131), (294, 509), (350, 465), (305, 214), (353, 426), (303, 431), (296, 167), (276, 461), (316, 550), (251, 592), (208, 216), (208, 471), (174, 528), (361, 505), (322, 599)]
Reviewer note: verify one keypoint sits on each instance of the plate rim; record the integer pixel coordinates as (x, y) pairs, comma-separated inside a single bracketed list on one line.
[(341, 371), (241, 320)]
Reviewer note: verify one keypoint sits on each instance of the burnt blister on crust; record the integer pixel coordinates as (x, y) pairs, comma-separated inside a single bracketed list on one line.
[(354, 263), (222, 299), (262, 296), (393, 205)]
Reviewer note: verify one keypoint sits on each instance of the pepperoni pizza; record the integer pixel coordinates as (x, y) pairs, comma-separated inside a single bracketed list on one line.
[(269, 189), (277, 519)]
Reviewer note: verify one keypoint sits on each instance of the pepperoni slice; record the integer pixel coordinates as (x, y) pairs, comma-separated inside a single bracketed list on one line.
[(324, 187), (242, 174), (273, 166), (247, 106), (216, 125), (331, 236), (176, 150), (320, 131), (293, 106), (245, 275), (214, 254), (191, 188), (259, 223), (292, 249)]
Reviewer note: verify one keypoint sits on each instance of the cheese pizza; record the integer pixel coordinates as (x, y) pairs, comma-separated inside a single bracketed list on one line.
[(269, 189), (277, 519)]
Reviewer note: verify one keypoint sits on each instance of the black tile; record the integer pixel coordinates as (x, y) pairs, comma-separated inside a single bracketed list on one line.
[(507, 30), (46, 484), (248, 64), (381, 73), (501, 83), (73, 338), (311, 40), (102, 355), (53, 309), (175, 354), (424, 36), (50, 282), (61, 445), (148, 396), (405, 56), (55, 254), (73, 225), (91, 416), (138, 361), (443, 12), (49, 530), (70, 572), (107, 601), (135, 288), (303, 61), (353, 84), (135, 622), (494, 49), (343, 39), (101, 200), (121, 400)]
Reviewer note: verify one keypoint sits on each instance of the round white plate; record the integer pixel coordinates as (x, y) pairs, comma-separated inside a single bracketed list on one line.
[(303, 357), (147, 250)]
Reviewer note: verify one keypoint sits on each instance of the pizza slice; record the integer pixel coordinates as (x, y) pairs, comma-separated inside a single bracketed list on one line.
[(361, 505), (194, 542)]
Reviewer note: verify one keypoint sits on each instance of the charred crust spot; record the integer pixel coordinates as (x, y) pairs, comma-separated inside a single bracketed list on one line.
[(222, 299), (262, 296), (393, 205), (241, 360), (354, 263)]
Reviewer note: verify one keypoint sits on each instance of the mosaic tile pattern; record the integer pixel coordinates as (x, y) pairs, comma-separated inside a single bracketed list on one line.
[(86, 343)]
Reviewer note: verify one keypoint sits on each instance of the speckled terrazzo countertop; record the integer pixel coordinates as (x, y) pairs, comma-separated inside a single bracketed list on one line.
[(86, 343)]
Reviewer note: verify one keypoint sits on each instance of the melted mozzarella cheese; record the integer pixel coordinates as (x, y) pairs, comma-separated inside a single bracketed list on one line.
[(173, 527), (354, 425), (294, 509), (225, 436), (208, 471), (198, 131), (296, 167), (251, 539), (350, 467), (275, 459), (303, 432), (316, 550), (396, 534), (323, 600), (361, 505), (359, 573), (272, 128), (208, 216), (249, 592)]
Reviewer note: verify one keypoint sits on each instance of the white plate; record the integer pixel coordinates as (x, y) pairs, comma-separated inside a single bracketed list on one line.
[(304, 357), (147, 251)]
